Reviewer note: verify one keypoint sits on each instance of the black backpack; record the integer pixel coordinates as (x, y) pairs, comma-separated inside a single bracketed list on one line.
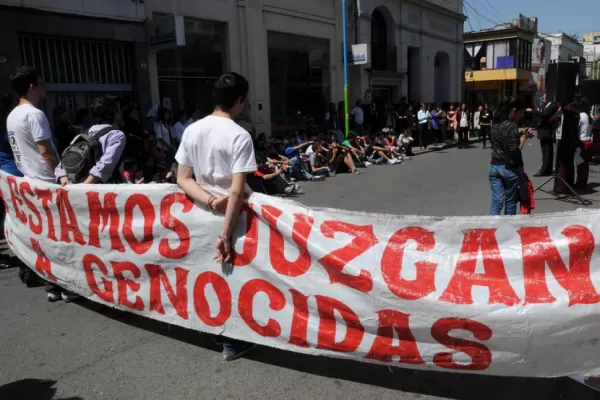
[(82, 154)]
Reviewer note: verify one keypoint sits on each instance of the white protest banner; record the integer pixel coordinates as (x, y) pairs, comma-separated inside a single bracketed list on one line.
[(503, 296)]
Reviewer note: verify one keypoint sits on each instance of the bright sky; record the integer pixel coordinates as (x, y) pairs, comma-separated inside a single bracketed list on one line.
[(553, 16)]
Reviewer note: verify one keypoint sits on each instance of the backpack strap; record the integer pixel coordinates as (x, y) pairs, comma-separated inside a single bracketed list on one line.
[(102, 132)]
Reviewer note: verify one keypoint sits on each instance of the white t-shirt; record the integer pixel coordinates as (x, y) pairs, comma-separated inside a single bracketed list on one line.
[(26, 126), (216, 148), (359, 115), (464, 121), (585, 128)]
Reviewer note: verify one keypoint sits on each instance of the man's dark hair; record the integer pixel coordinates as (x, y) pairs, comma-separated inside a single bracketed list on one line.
[(104, 108), (22, 78), (229, 88)]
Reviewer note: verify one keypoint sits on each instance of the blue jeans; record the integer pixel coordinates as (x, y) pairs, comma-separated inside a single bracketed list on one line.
[(505, 190)]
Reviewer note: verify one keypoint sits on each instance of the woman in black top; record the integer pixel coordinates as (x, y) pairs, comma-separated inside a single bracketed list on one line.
[(485, 120), (507, 159)]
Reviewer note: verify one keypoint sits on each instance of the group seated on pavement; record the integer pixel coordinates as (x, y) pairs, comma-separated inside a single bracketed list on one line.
[(282, 163)]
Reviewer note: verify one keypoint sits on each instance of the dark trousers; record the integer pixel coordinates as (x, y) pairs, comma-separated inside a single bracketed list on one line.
[(436, 136), (547, 155), (463, 137), (484, 134), (443, 134), (423, 135)]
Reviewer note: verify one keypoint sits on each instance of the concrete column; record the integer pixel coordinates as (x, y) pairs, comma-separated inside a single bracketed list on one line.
[(257, 55)]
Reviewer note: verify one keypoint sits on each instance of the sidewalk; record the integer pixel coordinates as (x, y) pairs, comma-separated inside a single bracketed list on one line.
[(444, 146)]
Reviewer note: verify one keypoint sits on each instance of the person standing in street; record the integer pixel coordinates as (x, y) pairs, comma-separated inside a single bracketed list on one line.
[(451, 114), (442, 121), (215, 157), (435, 126), (477, 121), (545, 134), (359, 118), (507, 160), (30, 138), (585, 136), (485, 120), (28, 128), (423, 120), (462, 116)]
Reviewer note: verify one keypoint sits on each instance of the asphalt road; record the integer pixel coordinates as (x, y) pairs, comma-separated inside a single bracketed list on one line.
[(86, 351)]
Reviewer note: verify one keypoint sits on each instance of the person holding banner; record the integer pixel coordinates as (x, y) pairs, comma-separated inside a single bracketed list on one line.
[(214, 157), (30, 138), (507, 159)]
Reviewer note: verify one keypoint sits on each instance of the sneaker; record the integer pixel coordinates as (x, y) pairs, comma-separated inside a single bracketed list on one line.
[(54, 297), (69, 296), (319, 178), (357, 171), (332, 174), (231, 353), (368, 164), (289, 190), (395, 162), (297, 189)]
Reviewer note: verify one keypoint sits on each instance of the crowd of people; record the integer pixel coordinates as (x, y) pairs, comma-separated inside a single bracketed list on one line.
[(568, 124), (214, 158), (428, 124)]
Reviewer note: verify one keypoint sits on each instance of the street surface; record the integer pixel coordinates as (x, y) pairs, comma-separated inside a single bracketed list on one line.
[(87, 351)]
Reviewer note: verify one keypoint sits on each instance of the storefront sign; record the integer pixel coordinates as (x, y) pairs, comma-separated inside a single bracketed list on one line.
[(499, 296), (360, 54), (166, 32)]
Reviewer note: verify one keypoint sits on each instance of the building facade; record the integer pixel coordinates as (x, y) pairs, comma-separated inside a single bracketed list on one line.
[(415, 51), (292, 54), (82, 48), (564, 47), (499, 64), (591, 52)]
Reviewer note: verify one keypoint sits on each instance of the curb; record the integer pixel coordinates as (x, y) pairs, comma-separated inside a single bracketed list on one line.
[(442, 147)]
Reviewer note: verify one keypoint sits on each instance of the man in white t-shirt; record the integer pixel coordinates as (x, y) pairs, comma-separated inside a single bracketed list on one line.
[(28, 128), (214, 157), (359, 118)]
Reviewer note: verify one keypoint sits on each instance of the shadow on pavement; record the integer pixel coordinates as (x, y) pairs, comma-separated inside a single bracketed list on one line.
[(31, 389), (442, 384)]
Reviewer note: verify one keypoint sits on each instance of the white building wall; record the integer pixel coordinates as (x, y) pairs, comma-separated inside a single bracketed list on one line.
[(563, 49), (430, 29), (114, 9)]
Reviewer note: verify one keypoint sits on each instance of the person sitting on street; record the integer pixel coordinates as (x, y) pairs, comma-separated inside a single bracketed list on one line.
[(274, 156), (319, 164), (273, 180), (341, 158), (382, 148), (406, 140)]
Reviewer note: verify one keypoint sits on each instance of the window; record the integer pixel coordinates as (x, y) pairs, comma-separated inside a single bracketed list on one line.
[(186, 74), (299, 76)]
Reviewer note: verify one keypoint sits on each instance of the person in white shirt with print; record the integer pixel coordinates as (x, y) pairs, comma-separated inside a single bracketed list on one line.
[(31, 141), (214, 157), (28, 128)]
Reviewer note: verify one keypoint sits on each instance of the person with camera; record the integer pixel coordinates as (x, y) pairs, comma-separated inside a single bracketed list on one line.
[(506, 166)]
